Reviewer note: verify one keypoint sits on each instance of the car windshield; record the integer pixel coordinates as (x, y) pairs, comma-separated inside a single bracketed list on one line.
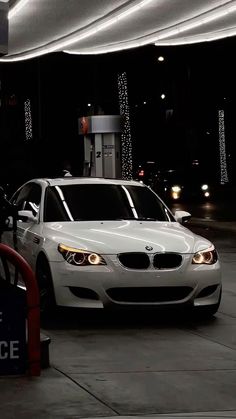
[(87, 202)]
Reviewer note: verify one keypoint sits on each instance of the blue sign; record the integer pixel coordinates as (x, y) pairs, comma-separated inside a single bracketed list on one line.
[(13, 353)]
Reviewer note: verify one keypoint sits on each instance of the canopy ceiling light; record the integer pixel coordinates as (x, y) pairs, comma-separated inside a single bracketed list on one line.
[(38, 27)]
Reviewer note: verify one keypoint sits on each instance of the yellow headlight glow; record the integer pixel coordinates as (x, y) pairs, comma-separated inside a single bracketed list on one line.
[(94, 259), (80, 257), (63, 247), (205, 257)]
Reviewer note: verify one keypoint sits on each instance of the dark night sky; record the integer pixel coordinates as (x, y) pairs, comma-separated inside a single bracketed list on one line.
[(197, 80)]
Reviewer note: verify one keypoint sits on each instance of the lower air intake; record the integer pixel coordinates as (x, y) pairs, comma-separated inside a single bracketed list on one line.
[(148, 294)]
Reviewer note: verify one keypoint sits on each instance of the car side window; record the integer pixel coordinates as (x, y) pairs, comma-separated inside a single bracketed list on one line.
[(28, 198), (20, 196)]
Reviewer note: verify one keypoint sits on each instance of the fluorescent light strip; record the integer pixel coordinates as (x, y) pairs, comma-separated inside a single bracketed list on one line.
[(104, 50), (182, 41), (198, 39), (15, 9), (195, 22), (60, 45), (166, 33)]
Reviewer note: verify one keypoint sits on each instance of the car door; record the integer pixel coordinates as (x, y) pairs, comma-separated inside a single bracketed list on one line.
[(28, 230)]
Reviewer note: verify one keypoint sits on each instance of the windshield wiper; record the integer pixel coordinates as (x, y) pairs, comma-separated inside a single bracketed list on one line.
[(120, 219), (147, 219), (140, 218)]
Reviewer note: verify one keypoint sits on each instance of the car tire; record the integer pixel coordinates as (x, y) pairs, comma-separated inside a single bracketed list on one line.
[(207, 311), (45, 284)]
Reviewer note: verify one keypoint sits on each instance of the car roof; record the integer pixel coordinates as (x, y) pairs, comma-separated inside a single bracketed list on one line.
[(70, 180)]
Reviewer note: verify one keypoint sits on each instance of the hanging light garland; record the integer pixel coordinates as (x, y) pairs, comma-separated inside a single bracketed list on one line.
[(223, 161), (28, 120), (126, 142)]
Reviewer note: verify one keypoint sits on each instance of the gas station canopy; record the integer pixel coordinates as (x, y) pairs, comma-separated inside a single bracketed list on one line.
[(38, 27)]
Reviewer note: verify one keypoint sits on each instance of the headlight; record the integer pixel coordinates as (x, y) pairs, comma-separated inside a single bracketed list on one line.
[(176, 188), (204, 187), (80, 257), (207, 257)]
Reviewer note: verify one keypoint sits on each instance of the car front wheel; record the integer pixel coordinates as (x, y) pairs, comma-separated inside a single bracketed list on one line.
[(45, 284)]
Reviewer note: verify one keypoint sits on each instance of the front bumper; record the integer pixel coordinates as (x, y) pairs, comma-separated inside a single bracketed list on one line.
[(114, 285)]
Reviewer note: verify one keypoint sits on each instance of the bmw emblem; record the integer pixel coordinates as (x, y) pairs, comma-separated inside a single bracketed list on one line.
[(149, 248)]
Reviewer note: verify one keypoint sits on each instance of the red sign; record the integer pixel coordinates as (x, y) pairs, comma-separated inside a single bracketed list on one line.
[(84, 125)]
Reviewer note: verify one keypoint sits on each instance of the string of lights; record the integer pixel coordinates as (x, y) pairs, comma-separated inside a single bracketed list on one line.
[(223, 161), (28, 120), (126, 141)]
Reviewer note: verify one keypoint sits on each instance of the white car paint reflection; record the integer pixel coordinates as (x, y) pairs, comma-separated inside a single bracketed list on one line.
[(98, 243)]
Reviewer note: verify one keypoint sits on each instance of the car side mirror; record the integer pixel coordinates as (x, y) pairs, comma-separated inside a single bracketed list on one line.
[(26, 216), (9, 223), (182, 216)]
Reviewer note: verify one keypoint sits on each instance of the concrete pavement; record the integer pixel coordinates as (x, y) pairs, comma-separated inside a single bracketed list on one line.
[(176, 368), (140, 366)]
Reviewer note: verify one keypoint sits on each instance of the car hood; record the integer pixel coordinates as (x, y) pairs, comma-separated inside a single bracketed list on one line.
[(111, 237)]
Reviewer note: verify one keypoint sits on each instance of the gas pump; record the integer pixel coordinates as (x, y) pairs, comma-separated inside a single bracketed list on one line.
[(4, 9), (102, 145)]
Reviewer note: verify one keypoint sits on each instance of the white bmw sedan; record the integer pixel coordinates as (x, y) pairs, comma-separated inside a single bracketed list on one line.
[(97, 243)]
